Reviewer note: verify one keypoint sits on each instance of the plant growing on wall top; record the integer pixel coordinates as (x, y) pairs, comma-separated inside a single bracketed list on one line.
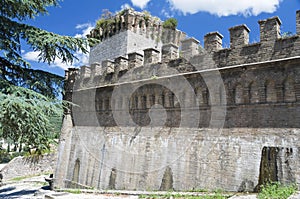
[(146, 16), (105, 19), (170, 23)]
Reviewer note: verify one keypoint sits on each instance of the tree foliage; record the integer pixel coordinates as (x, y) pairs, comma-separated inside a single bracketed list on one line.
[(50, 46), (25, 115), (170, 23)]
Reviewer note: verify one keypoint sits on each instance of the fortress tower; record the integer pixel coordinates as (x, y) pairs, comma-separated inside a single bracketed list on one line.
[(130, 31)]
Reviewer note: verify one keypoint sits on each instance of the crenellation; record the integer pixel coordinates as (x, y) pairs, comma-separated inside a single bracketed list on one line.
[(213, 41), (109, 66), (142, 26), (121, 63), (121, 67), (135, 31), (239, 36), (171, 36), (85, 72), (151, 56), (135, 24), (169, 52), (129, 20), (96, 69), (269, 29), (135, 60), (71, 75), (189, 48)]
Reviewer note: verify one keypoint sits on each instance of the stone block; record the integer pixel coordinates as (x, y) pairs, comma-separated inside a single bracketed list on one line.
[(213, 41), (239, 36)]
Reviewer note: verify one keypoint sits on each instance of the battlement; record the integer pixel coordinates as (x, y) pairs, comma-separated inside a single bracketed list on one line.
[(271, 47), (141, 23), (128, 32)]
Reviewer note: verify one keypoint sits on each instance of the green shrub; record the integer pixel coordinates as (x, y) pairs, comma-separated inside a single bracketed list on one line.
[(275, 190), (5, 156), (170, 23)]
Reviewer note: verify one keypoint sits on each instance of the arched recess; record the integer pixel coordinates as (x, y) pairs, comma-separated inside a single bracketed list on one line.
[(253, 92), (76, 171), (152, 99), (136, 102), (238, 94), (270, 91), (144, 102), (206, 97), (163, 99), (171, 98), (289, 94), (199, 96)]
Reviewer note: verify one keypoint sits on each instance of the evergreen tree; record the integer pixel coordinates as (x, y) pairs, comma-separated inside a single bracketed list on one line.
[(24, 114)]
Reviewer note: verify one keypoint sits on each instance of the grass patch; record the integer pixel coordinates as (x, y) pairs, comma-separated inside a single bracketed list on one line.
[(184, 196), (20, 178), (74, 191), (199, 190), (276, 190), (215, 195)]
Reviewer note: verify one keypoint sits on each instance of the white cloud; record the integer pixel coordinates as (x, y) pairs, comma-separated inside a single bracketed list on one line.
[(31, 56), (83, 59), (226, 7), (85, 29), (125, 6), (165, 13), (140, 3)]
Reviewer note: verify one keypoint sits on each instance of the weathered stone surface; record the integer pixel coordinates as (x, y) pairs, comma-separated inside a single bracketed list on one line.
[(147, 140), (199, 158), (28, 166)]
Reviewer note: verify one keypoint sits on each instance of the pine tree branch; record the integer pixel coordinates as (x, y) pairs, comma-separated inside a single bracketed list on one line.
[(26, 8), (50, 45)]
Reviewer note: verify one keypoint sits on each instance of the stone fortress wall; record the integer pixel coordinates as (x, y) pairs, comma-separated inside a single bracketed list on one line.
[(259, 140)]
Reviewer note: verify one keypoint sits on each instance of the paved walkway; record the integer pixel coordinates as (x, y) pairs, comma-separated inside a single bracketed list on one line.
[(36, 188)]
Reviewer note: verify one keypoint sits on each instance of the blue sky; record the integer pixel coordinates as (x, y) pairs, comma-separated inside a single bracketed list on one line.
[(195, 17)]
